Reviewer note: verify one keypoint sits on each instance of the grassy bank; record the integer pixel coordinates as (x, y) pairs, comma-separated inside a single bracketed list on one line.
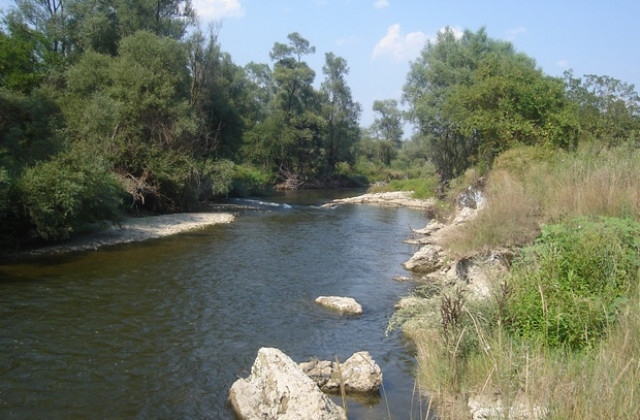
[(560, 335)]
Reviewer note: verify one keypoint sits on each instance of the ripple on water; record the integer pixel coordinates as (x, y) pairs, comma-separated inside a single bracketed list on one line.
[(163, 328)]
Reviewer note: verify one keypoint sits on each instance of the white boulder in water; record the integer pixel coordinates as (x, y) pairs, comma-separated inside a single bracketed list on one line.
[(278, 389), (346, 305), (359, 374)]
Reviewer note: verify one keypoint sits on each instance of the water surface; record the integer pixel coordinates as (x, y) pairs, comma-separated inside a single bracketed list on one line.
[(161, 329)]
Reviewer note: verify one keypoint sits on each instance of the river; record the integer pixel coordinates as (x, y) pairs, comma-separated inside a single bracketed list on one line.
[(161, 329)]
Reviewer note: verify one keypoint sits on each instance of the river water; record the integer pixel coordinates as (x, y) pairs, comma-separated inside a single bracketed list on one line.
[(161, 329)]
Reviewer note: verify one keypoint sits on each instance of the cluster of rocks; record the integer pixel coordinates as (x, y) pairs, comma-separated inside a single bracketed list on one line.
[(359, 374), (433, 263), (279, 388)]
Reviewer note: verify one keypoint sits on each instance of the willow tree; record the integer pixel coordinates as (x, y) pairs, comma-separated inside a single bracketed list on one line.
[(473, 96)]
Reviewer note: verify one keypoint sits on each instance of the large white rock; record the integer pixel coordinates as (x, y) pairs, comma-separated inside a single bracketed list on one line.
[(278, 389), (359, 374), (485, 408), (346, 305), (427, 260)]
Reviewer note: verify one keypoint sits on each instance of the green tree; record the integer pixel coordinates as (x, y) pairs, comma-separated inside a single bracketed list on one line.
[(164, 18), (290, 139), (20, 68), (94, 25), (473, 97), (443, 65), (609, 109), (261, 91), (387, 129), (45, 20), (340, 112), (219, 96), (509, 102)]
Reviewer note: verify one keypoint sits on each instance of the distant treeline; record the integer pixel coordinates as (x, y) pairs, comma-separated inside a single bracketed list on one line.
[(119, 106)]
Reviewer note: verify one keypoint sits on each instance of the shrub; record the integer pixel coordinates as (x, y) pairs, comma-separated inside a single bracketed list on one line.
[(421, 187), (566, 289), (249, 180), (67, 191)]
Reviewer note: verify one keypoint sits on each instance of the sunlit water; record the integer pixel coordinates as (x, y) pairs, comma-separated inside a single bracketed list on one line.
[(161, 329)]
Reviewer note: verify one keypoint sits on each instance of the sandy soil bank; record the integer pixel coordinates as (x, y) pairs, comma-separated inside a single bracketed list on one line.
[(136, 230), (392, 199)]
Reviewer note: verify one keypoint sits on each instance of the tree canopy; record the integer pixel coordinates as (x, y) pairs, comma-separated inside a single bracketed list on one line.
[(474, 97), (119, 106)]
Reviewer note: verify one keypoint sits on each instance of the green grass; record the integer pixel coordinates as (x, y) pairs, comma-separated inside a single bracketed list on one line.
[(421, 187)]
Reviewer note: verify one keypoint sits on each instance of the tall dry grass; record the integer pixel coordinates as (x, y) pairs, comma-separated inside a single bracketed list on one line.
[(603, 383), (528, 187)]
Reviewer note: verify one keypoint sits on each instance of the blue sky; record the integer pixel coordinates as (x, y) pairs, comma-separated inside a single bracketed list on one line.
[(379, 38)]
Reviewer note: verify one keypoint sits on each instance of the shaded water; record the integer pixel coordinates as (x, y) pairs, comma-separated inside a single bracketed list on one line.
[(161, 329)]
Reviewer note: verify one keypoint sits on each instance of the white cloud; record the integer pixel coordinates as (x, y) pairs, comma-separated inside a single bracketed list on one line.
[(563, 64), (400, 47), (512, 33), (218, 9), (381, 4)]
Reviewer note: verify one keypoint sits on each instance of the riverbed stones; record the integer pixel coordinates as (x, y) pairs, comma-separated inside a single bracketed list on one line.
[(359, 374), (278, 389), (344, 305)]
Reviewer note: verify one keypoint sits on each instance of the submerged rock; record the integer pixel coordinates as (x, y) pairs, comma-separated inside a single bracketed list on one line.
[(345, 305), (278, 389), (359, 374)]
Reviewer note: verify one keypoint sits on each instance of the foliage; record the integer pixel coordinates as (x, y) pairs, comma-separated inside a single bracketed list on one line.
[(29, 127), (61, 194), (421, 187), (474, 97), (609, 109), (248, 180), (568, 288), (341, 114), (19, 66)]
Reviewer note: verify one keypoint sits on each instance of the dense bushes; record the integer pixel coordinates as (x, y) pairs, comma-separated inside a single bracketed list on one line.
[(61, 194), (248, 180), (567, 289)]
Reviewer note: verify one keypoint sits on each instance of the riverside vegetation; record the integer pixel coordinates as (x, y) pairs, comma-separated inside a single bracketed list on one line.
[(558, 336), (110, 108), (559, 332)]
